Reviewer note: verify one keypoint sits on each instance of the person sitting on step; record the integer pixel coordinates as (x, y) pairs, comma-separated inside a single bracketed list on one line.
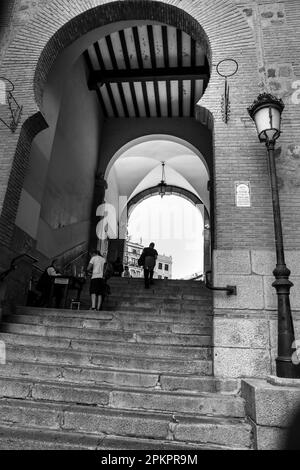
[(126, 272), (45, 285)]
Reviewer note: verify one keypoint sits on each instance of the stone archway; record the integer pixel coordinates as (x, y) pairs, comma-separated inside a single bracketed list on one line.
[(41, 43), (199, 195), (189, 196), (174, 190), (229, 35)]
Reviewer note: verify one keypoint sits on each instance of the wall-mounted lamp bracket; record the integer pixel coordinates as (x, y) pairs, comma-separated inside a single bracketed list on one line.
[(225, 100), (14, 110)]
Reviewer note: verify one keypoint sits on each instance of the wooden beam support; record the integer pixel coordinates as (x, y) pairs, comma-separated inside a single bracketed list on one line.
[(141, 67), (193, 83), (148, 75), (128, 67)]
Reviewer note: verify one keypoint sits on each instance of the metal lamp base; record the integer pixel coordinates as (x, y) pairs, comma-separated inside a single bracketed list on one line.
[(286, 369)]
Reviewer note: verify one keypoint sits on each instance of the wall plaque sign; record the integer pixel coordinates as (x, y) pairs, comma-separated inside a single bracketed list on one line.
[(242, 194), (61, 280)]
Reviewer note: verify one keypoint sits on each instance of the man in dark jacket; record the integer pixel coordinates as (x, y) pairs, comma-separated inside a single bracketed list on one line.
[(149, 256), (44, 286)]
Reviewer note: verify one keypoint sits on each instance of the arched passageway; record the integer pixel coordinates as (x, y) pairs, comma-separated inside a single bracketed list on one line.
[(134, 174), (75, 120), (125, 81)]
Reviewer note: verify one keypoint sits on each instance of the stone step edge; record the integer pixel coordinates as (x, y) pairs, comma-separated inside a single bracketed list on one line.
[(118, 388), (110, 311), (122, 326), (119, 356), (85, 440), (121, 330), (128, 317), (121, 371), (113, 315), (100, 341), (171, 416)]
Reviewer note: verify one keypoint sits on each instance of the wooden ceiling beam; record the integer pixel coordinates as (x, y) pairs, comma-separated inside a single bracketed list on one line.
[(165, 74)]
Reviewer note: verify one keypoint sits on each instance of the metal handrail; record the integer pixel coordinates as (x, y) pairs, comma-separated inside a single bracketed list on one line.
[(13, 265), (65, 266), (231, 290), (75, 259)]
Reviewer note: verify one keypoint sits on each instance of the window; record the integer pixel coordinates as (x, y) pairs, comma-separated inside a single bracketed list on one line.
[(159, 276), (166, 267), (134, 251), (159, 265)]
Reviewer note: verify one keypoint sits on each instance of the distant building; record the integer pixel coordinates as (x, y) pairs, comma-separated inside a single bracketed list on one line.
[(193, 277), (163, 268), (132, 252)]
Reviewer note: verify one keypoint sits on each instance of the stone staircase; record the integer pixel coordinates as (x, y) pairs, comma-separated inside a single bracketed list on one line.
[(137, 375)]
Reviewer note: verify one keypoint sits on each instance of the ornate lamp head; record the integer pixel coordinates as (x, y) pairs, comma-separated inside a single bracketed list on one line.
[(266, 113)]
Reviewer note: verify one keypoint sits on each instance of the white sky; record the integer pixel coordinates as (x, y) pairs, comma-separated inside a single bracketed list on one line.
[(175, 226)]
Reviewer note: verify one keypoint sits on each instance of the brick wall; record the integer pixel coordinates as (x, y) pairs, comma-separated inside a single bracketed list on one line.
[(263, 36)]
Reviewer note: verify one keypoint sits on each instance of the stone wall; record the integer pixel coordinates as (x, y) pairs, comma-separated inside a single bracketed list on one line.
[(245, 326), (273, 409), (252, 33)]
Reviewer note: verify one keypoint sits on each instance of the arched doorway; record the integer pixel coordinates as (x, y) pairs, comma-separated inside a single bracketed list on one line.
[(53, 46), (133, 175), (129, 79)]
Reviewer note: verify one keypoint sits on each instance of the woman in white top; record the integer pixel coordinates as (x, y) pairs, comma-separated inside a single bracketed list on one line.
[(97, 285)]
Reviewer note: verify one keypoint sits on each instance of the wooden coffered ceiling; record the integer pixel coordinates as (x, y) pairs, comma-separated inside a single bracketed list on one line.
[(147, 71)]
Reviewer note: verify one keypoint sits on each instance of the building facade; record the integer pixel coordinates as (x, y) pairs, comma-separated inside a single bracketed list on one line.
[(163, 268), (132, 252)]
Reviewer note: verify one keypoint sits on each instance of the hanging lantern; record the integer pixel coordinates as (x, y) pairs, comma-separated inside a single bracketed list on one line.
[(162, 185)]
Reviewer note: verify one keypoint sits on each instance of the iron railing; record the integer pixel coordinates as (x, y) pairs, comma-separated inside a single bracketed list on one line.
[(231, 290), (14, 266)]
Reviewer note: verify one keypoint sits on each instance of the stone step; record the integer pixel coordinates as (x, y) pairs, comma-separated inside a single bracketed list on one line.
[(113, 322), (171, 305), (158, 295), (192, 318), (31, 353), (108, 347), (163, 310), (139, 424), (158, 283), (99, 376), (168, 312), (123, 398), (91, 334), (157, 287), (154, 292), (24, 438)]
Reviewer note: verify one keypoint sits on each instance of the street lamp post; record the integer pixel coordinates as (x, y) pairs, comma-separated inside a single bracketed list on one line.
[(266, 113)]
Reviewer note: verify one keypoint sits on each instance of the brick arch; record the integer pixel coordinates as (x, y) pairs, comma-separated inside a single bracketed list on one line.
[(58, 24), (154, 191), (142, 137), (42, 41), (110, 13), (30, 129)]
